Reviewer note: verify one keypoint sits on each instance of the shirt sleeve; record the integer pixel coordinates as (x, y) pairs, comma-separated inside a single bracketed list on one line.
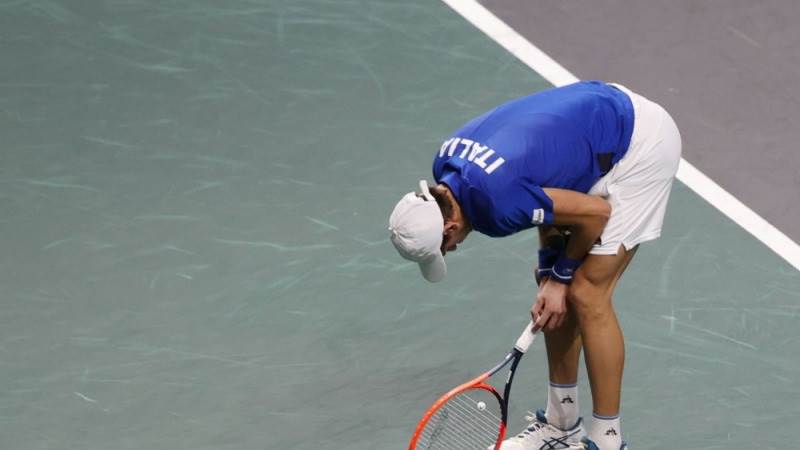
[(522, 206)]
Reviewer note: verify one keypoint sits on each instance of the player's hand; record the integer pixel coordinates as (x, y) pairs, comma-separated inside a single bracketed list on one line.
[(550, 308)]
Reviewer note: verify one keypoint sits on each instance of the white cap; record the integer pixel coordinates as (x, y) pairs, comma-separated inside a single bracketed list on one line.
[(416, 229)]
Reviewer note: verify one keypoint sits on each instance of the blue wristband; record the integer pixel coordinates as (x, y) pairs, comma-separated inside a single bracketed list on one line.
[(547, 258), (564, 269)]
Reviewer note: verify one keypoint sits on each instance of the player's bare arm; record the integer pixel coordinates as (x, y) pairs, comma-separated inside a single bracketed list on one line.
[(586, 216)]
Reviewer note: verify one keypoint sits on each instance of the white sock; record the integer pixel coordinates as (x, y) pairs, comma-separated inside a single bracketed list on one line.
[(562, 405), (606, 432)]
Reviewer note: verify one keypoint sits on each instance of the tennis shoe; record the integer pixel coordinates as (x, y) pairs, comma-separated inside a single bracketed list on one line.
[(540, 435), (589, 445)]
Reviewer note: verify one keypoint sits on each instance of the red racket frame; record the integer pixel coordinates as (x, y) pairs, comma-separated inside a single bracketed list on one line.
[(477, 383), (514, 356)]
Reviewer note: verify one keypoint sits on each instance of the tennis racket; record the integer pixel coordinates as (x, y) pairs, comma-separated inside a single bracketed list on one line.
[(473, 415)]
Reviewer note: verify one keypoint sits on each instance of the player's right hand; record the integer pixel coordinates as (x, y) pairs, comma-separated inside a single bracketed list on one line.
[(550, 308)]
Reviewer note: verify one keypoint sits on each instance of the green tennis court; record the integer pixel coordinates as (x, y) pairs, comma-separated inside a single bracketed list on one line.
[(194, 200)]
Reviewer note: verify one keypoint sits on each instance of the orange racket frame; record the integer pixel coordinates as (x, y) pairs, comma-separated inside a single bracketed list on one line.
[(523, 343)]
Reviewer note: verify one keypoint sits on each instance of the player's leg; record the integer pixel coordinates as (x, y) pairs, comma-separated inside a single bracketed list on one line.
[(593, 324), (563, 357), (559, 426), (590, 298), (564, 351), (563, 348)]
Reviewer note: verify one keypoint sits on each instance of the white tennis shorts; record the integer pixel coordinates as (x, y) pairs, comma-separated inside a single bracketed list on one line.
[(638, 186)]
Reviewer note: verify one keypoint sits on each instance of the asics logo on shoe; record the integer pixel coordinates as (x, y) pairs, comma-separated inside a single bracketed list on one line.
[(558, 443), (567, 399), (611, 432), (554, 444)]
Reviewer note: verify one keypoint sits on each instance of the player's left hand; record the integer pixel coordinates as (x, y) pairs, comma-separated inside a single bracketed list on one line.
[(550, 308)]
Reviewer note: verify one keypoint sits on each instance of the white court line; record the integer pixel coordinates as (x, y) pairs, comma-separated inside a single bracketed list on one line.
[(696, 180)]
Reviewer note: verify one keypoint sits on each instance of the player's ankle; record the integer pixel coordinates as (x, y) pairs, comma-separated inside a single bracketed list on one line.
[(606, 432), (562, 405)]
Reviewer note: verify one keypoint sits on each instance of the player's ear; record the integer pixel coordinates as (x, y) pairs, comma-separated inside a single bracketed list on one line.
[(450, 225)]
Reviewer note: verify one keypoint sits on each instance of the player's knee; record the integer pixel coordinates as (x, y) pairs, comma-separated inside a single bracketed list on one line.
[(579, 295), (588, 300)]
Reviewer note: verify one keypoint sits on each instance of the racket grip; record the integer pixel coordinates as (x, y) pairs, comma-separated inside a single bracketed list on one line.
[(526, 338)]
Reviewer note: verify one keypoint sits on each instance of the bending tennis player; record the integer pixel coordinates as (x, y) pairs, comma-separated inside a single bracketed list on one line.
[(591, 164)]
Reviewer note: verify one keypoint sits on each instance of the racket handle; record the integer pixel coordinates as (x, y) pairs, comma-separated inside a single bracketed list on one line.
[(526, 338)]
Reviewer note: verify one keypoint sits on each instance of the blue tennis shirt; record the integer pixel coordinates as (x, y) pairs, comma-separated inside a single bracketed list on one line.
[(497, 164)]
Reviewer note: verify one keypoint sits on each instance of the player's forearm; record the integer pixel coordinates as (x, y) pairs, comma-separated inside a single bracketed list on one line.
[(550, 236), (584, 235), (586, 216)]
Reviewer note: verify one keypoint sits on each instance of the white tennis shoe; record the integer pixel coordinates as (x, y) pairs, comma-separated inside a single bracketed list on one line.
[(540, 435)]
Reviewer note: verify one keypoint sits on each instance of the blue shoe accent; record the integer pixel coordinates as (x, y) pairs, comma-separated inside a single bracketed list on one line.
[(589, 445), (540, 416)]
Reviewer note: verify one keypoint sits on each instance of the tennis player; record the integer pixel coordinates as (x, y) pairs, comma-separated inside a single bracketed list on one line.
[(591, 165)]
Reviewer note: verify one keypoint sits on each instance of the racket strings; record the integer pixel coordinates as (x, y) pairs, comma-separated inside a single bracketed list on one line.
[(465, 422)]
